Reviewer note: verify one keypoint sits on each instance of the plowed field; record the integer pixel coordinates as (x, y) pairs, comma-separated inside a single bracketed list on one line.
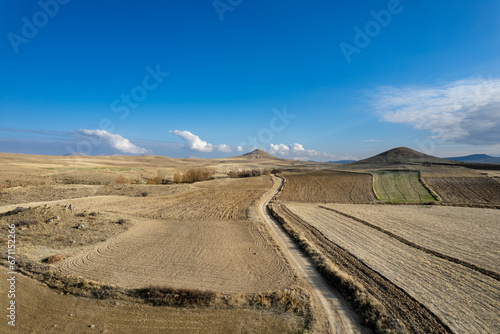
[(464, 299), (229, 256), (327, 187), (465, 190)]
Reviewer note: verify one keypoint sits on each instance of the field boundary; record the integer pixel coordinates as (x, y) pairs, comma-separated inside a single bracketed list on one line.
[(373, 293), (431, 191), (481, 270)]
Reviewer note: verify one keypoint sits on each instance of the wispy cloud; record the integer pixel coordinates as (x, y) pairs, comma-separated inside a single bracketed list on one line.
[(298, 152), (194, 143), (115, 141), (465, 111)]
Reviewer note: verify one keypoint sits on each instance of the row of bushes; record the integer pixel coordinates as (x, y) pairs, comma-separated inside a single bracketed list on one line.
[(192, 175), (252, 173)]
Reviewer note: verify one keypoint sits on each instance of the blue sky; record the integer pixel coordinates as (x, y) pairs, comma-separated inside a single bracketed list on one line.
[(322, 81)]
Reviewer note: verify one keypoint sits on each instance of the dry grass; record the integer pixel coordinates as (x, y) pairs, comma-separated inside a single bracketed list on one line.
[(366, 305), (47, 311), (55, 258)]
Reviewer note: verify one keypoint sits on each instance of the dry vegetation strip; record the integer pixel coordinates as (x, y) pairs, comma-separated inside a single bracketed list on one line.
[(483, 271), (42, 310), (400, 186), (467, 301), (465, 190), (469, 234), (362, 286), (327, 187), (230, 256)]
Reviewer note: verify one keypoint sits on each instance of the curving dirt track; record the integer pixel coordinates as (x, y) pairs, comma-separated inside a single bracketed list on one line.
[(327, 187), (340, 318), (465, 300)]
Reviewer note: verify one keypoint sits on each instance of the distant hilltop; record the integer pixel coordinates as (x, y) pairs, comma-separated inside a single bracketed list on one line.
[(399, 156), (259, 154), (477, 158)]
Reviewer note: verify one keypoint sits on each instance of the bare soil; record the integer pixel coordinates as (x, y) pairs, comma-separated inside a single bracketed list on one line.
[(470, 234), (42, 310), (464, 299), (465, 190), (225, 256), (327, 187)]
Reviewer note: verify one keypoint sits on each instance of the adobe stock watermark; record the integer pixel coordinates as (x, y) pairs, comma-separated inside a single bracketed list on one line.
[(122, 106), (373, 28), (221, 7), (30, 28), (277, 124)]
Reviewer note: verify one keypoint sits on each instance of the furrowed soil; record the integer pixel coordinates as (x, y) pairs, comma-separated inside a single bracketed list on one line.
[(469, 234), (226, 256), (327, 187), (42, 310), (456, 189), (465, 300), (396, 186)]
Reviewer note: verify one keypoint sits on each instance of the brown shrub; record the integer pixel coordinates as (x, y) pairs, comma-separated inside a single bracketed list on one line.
[(195, 175), (55, 258), (177, 177), (155, 180), (177, 297), (121, 179)]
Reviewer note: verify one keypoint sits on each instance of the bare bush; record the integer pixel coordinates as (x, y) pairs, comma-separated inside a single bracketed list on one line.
[(155, 180), (121, 179), (55, 258), (195, 175), (177, 297), (177, 177)]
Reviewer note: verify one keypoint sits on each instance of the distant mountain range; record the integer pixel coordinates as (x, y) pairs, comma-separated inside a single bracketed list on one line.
[(478, 158), (343, 162)]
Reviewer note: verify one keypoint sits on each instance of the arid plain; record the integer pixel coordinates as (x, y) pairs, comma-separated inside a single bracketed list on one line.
[(401, 242)]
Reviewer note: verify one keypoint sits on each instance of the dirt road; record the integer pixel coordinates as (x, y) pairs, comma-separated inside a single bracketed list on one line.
[(341, 319)]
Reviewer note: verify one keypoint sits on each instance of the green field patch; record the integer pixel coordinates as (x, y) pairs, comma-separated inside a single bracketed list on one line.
[(400, 187)]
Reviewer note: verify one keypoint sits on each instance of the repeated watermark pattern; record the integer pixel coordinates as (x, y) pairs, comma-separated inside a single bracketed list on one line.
[(30, 27), (122, 106), (364, 36), (277, 124), (223, 6), (11, 274)]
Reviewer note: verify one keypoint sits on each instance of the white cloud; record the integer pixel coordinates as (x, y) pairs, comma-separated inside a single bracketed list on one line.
[(298, 152), (194, 143), (279, 149), (239, 149), (224, 148), (114, 140), (465, 111)]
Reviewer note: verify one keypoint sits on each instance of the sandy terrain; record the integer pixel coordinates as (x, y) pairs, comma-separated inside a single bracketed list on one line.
[(467, 301)]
